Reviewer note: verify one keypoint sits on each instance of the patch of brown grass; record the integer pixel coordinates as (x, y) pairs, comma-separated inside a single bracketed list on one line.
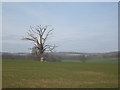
[(61, 82), (93, 73)]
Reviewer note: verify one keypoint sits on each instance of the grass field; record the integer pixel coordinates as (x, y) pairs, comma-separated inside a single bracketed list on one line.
[(107, 60), (33, 74)]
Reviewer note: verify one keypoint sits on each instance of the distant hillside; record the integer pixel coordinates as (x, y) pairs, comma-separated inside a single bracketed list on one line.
[(66, 53)]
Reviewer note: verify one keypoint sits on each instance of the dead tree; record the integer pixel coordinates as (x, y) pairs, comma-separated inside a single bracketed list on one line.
[(39, 36)]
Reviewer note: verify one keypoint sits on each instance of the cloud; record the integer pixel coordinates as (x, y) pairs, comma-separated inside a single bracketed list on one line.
[(13, 39)]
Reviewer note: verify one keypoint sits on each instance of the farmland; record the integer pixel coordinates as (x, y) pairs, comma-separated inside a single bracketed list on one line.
[(109, 60), (33, 74)]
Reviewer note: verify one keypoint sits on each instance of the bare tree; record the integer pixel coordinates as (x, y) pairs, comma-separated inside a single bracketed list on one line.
[(39, 36)]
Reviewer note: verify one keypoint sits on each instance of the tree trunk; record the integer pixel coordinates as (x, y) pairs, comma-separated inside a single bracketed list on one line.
[(42, 59)]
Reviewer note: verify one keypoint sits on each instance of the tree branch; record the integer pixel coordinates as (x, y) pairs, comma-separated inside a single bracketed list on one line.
[(39, 36), (45, 39)]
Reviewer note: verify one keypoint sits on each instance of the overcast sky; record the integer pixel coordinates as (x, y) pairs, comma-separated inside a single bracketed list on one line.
[(78, 26)]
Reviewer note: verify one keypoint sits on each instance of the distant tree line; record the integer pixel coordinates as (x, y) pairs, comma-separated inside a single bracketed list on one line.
[(84, 57), (57, 57), (48, 56)]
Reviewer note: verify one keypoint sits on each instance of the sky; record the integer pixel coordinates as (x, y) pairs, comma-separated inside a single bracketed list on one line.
[(90, 27)]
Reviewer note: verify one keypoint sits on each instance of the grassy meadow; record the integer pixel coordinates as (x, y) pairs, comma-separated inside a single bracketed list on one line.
[(33, 74), (107, 60)]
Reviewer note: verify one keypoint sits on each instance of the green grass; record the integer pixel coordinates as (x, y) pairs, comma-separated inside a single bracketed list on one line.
[(107, 60), (33, 74), (71, 61)]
